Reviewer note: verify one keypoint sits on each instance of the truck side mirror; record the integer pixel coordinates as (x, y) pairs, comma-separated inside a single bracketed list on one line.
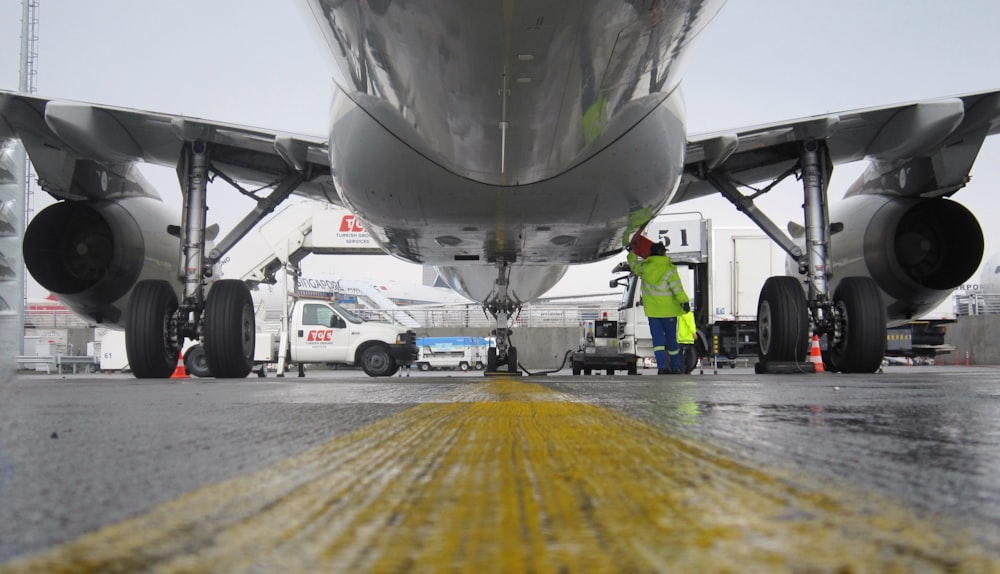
[(618, 281)]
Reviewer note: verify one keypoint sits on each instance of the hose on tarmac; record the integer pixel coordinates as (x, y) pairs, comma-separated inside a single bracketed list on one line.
[(543, 373)]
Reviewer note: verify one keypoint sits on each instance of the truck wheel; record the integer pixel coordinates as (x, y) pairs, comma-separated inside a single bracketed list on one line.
[(633, 368), (196, 363), (463, 366), (147, 320), (230, 330), (377, 362), (479, 365), (424, 366), (577, 368)]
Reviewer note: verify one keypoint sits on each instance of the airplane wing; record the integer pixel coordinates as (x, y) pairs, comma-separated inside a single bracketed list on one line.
[(934, 141), (58, 134)]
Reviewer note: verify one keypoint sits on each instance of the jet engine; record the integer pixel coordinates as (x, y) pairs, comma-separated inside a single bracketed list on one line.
[(91, 253), (916, 249)]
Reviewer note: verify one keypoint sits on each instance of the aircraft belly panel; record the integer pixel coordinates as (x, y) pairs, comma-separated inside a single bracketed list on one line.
[(517, 103), (422, 212)]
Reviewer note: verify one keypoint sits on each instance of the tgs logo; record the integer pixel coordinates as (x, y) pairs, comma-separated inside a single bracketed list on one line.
[(323, 336), (350, 224)]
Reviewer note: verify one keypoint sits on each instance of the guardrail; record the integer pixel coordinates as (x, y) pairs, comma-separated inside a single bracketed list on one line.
[(58, 362), (474, 316), (53, 319), (977, 304)]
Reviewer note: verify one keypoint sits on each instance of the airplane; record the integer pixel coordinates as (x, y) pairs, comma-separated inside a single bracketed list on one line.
[(547, 133)]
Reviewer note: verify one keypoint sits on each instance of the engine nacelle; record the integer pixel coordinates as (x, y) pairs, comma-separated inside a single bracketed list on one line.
[(90, 254), (918, 250)]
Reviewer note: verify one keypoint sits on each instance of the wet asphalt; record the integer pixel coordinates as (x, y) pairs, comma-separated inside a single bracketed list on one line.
[(81, 451)]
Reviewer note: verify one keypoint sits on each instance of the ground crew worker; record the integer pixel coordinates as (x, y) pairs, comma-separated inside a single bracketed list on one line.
[(686, 332), (663, 299)]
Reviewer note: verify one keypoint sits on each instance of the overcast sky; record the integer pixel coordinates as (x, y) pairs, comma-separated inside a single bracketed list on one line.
[(256, 63)]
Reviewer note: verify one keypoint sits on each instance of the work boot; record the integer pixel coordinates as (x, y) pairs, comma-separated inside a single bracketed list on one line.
[(664, 372)]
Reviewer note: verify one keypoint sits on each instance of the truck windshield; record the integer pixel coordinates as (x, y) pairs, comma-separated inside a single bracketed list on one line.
[(347, 314)]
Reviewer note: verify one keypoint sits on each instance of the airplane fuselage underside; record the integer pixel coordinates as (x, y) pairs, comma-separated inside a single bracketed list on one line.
[(460, 143), (421, 212)]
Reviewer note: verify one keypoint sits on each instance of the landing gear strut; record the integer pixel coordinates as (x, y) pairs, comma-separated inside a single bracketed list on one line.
[(503, 307), (157, 323), (790, 311)]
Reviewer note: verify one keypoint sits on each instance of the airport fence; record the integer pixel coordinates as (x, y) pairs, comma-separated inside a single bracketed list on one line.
[(977, 303), (53, 318), (472, 316)]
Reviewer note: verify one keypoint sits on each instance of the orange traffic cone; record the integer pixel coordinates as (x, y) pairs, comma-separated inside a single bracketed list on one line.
[(815, 355), (180, 372)]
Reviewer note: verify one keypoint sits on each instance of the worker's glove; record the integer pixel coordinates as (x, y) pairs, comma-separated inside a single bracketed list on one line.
[(621, 267), (686, 307)]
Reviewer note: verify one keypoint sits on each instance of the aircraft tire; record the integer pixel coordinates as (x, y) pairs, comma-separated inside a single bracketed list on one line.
[(782, 320), (862, 314), (147, 342), (377, 362), (512, 359), (230, 330), (196, 362), (491, 359)]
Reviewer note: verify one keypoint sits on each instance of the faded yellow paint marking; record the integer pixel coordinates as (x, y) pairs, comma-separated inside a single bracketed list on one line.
[(512, 477)]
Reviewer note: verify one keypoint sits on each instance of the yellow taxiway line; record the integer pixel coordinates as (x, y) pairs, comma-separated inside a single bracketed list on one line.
[(507, 476)]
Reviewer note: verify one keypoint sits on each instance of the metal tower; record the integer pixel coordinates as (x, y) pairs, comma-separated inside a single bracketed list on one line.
[(27, 84)]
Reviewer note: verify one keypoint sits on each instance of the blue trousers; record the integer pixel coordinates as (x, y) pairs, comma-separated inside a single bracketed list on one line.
[(665, 347)]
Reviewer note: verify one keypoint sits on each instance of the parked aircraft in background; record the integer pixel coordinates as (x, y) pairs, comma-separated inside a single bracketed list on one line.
[(501, 142)]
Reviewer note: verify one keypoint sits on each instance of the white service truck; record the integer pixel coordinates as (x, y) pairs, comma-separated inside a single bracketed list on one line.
[(324, 332)]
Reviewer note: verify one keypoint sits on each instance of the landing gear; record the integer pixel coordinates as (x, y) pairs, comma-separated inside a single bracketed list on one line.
[(503, 307), (491, 359), (157, 323), (230, 331), (790, 310), (859, 338), (782, 325), (151, 348), (496, 359)]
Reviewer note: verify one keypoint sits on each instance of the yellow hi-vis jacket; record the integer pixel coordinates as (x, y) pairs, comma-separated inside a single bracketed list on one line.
[(662, 292), (686, 328)]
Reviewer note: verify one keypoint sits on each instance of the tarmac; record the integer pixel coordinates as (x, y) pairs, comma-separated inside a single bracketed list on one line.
[(454, 471)]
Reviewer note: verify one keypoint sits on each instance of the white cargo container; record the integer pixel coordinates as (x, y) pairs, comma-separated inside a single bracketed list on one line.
[(731, 265)]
